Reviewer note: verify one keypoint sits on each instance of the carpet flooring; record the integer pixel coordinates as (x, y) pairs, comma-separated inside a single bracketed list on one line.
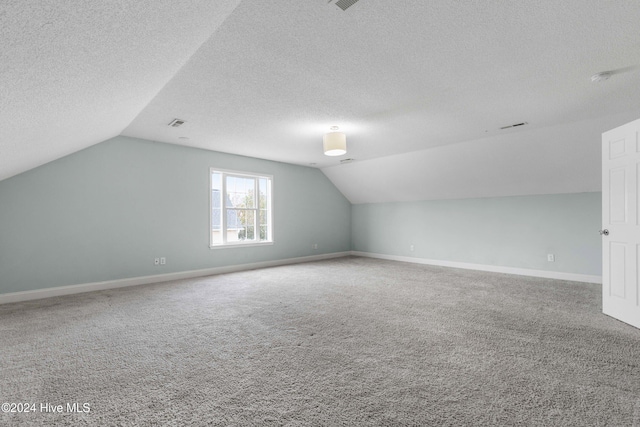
[(343, 342)]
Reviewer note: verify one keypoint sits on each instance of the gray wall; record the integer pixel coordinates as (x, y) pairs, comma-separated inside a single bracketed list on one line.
[(514, 231), (105, 212)]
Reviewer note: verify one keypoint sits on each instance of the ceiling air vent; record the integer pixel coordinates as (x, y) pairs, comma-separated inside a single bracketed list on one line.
[(346, 161), (345, 4), (514, 126), (176, 122)]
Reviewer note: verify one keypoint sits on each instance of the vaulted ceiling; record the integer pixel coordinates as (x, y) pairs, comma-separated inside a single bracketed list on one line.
[(268, 78)]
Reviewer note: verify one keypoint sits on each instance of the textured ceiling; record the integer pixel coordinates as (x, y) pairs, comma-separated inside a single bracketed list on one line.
[(557, 159), (74, 73), (396, 77), (268, 78)]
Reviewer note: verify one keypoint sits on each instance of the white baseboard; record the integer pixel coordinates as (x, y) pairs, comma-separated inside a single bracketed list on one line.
[(144, 280), (494, 268)]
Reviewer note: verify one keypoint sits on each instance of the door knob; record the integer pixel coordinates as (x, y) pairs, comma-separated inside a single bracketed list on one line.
[(604, 232)]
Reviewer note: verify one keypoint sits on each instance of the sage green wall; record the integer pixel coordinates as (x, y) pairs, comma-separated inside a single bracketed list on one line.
[(106, 212), (505, 231)]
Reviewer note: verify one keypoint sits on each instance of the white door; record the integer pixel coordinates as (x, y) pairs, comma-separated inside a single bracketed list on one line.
[(621, 223)]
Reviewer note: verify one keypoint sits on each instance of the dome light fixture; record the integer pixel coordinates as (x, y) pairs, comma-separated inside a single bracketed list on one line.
[(334, 143)]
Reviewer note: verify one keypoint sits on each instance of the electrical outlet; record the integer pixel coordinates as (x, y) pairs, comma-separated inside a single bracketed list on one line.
[(551, 257), (411, 248), (163, 261), (314, 246), (156, 261)]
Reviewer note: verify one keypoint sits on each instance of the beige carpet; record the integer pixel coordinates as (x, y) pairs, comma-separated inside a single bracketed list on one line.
[(343, 342)]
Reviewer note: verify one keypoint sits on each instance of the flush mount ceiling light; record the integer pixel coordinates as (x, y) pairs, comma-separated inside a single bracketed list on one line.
[(334, 143)]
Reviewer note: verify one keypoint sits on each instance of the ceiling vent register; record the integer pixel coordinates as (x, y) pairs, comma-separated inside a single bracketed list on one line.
[(514, 126), (345, 4), (176, 122)]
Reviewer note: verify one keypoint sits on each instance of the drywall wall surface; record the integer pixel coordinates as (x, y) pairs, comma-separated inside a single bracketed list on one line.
[(104, 213), (518, 231)]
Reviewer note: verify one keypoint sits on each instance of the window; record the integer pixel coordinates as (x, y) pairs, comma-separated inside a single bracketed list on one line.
[(240, 208)]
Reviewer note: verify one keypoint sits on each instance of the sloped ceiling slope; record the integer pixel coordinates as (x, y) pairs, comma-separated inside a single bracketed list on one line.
[(397, 77), (74, 73), (558, 159), (268, 78)]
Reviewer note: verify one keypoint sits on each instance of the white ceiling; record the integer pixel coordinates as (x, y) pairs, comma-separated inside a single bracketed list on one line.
[(558, 159), (268, 78), (74, 73)]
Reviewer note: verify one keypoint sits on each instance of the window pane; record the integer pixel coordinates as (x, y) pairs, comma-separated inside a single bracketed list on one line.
[(216, 208), (216, 237), (233, 226), (263, 190), (246, 221), (242, 212), (263, 205), (216, 225), (264, 223), (240, 192), (216, 181), (216, 219), (249, 233)]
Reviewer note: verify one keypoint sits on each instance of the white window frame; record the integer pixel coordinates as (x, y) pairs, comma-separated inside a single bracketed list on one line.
[(223, 209)]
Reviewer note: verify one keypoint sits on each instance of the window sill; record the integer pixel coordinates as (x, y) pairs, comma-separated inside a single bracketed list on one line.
[(240, 245)]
